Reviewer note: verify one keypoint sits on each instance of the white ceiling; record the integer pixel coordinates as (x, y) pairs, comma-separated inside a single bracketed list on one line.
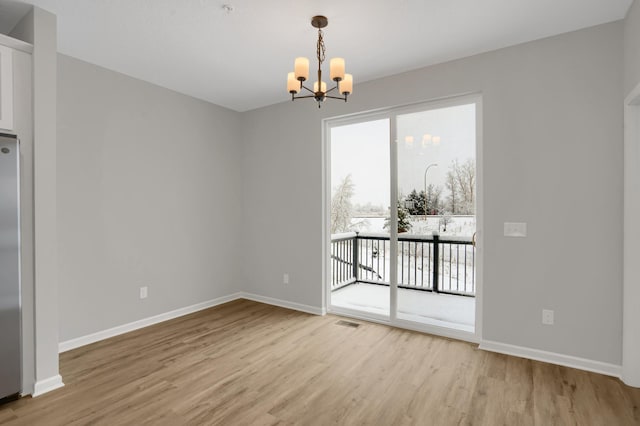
[(240, 59)]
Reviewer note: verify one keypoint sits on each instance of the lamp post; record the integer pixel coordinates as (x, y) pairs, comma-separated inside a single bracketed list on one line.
[(425, 187)]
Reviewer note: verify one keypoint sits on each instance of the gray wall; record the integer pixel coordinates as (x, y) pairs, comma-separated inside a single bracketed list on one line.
[(552, 158), (632, 48), (45, 198), (148, 194)]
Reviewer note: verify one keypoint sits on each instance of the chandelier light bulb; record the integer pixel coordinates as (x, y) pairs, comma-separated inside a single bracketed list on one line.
[(336, 66), (323, 87), (301, 69), (346, 85), (293, 85)]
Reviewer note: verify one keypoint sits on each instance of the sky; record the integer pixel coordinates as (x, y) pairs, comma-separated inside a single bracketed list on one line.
[(437, 136), (362, 150)]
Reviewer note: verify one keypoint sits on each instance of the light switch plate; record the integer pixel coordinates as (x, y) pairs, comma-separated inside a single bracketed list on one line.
[(515, 229)]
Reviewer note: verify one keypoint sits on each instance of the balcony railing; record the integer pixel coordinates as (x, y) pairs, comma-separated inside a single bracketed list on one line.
[(430, 263)]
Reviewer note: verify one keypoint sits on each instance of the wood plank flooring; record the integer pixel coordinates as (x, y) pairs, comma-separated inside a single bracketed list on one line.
[(246, 363)]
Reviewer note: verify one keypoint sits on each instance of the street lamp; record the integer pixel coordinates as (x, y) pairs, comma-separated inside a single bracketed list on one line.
[(425, 187)]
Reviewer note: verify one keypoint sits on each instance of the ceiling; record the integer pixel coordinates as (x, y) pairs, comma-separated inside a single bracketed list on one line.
[(240, 59)]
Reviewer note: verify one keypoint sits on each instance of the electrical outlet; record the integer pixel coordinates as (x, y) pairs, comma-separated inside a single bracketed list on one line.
[(285, 278), (144, 292), (547, 317), (515, 229)]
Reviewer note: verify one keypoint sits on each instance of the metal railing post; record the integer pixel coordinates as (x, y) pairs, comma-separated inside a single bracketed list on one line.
[(436, 262), (355, 257)]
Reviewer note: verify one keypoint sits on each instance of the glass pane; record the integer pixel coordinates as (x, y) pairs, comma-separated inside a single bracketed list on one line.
[(436, 216), (359, 206)]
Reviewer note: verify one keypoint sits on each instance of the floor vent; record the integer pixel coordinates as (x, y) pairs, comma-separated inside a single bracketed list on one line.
[(348, 324)]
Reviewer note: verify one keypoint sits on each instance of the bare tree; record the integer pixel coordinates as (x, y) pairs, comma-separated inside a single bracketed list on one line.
[(461, 182), (465, 174), (452, 185), (443, 222), (341, 206), (433, 198)]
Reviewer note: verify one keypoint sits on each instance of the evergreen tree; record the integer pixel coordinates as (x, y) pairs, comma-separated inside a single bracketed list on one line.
[(415, 203), (403, 218)]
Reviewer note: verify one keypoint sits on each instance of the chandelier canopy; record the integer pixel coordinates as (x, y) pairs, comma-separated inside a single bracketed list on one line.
[(296, 79)]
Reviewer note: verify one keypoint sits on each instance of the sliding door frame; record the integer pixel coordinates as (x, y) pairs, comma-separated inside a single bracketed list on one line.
[(391, 114), (327, 124)]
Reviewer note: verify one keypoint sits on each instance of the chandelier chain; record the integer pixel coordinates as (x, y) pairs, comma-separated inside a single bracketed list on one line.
[(320, 50)]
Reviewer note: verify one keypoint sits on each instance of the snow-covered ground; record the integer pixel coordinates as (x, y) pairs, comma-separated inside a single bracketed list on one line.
[(457, 226), (420, 306)]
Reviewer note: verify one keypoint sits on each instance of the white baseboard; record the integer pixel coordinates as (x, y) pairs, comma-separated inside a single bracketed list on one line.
[(552, 358), (47, 385), (125, 328), (284, 303), (27, 390)]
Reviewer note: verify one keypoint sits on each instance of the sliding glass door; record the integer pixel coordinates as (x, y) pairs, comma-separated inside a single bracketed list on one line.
[(403, 216), (360, 259), (436, 187)]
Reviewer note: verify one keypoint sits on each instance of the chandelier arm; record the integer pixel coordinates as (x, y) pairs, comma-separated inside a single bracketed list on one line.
[(344, 98), (302, 97), (306, 88), (332, 89)]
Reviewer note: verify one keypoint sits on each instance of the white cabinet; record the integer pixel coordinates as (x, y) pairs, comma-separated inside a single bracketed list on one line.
[(6, 88)]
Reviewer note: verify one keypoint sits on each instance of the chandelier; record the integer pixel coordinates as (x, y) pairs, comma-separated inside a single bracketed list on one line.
[(295, 79)]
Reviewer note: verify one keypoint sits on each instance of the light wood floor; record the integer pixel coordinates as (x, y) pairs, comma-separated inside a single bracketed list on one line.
[(254, 364)]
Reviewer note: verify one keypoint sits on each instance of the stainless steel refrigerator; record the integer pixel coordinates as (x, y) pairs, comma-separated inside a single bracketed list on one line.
[(10, 359)]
